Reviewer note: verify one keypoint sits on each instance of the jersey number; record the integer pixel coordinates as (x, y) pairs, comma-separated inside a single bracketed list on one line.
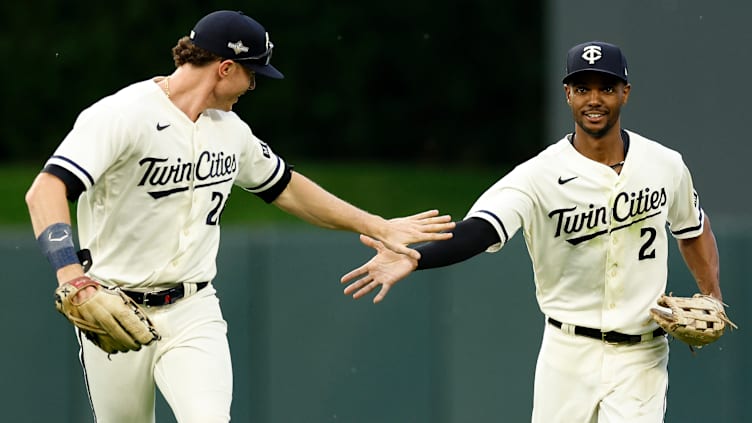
[(647, 251), (216, 213)]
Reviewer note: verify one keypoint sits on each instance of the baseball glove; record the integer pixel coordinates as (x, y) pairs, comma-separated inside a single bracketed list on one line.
[(697, 321), (109, 318)]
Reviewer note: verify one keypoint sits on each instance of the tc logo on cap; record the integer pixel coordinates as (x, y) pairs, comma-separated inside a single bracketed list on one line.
[(592, 54), (596, 56)]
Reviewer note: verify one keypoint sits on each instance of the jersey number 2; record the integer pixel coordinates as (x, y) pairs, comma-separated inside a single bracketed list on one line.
[(647, 251), (216, 213)]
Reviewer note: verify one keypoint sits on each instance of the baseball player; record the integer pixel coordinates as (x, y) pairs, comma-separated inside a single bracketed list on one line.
[(593, 208), (152, 167)]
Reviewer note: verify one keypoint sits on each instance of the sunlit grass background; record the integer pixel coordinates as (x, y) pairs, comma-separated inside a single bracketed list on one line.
[(389, 190)]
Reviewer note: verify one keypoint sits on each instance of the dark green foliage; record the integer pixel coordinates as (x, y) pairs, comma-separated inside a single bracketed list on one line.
[(408, 81)]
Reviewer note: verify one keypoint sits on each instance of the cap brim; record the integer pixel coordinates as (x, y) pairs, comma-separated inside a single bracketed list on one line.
[(577, 72), (268, 71)]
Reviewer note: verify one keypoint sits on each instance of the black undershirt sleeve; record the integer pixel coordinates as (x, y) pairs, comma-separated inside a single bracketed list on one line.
[(470, 238), (73, 186)]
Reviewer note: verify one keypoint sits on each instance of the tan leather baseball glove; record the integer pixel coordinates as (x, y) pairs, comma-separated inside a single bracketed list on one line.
[(109, 318), (698, 320)]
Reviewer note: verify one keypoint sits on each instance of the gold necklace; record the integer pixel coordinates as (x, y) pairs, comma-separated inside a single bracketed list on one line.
[(167, 86)]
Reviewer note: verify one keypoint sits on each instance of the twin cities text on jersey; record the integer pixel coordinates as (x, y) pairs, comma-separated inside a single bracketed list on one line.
[(211, 168), (628, 208)]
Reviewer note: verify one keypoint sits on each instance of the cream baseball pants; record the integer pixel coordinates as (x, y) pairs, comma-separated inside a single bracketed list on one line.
[(584, 380), (190, 365)]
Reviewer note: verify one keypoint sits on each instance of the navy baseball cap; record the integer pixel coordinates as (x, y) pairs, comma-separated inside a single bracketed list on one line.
[(596, 56), (235, 36)]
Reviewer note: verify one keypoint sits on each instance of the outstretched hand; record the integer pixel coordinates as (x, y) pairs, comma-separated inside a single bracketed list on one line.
[(421, 227), (386, 268)]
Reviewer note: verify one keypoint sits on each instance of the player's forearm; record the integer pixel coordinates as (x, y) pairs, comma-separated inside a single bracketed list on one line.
[(47, 205), (46, 202), (701, 256), (310, 202), (470, 238)]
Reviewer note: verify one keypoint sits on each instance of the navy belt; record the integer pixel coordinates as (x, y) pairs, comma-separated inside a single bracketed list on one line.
[(611, 337), (158, 298)]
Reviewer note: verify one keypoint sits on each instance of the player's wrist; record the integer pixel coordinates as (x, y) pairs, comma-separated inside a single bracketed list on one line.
[(414, 263), (56, 243), (381, 228), (69, 273), (378, 228)]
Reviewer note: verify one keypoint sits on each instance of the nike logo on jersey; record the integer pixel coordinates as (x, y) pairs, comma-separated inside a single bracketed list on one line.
[(563, 181), (161, 126)]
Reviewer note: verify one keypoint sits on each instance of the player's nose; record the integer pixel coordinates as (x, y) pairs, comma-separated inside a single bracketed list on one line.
[(594, 97)]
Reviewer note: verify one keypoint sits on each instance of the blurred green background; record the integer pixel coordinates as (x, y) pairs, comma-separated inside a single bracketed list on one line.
[(396, 106), (408, 82)]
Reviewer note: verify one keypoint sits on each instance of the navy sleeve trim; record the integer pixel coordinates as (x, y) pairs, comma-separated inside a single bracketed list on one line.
[(268, 180), (275, 190), (501, 224), (83, 171), (73, 186), (470, 238), (692, 229)]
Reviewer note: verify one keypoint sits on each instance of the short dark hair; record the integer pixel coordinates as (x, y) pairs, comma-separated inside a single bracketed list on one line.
[(185, 52)]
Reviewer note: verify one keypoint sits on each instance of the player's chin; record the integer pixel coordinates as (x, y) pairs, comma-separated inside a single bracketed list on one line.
[(228, 106), (596, 129)]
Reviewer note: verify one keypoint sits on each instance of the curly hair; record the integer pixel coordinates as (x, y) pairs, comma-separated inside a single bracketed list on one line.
[(186, 52)]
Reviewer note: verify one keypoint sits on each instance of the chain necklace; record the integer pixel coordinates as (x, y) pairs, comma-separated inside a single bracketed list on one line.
[(613, 166), (167, 88)]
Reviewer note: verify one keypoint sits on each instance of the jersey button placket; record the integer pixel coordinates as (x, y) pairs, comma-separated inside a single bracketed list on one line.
[(195, 204), (613, 281), (612, 289)]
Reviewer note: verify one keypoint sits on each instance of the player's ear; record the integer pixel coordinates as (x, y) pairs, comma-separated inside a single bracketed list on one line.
[(626, 90), (225, 67), (568, 93)]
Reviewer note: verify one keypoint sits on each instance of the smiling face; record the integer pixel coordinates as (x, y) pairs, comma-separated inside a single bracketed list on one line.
[(596, 99)]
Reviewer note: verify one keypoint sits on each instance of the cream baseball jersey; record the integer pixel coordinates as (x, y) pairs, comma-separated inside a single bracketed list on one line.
[(153, 177), (597, 239)]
